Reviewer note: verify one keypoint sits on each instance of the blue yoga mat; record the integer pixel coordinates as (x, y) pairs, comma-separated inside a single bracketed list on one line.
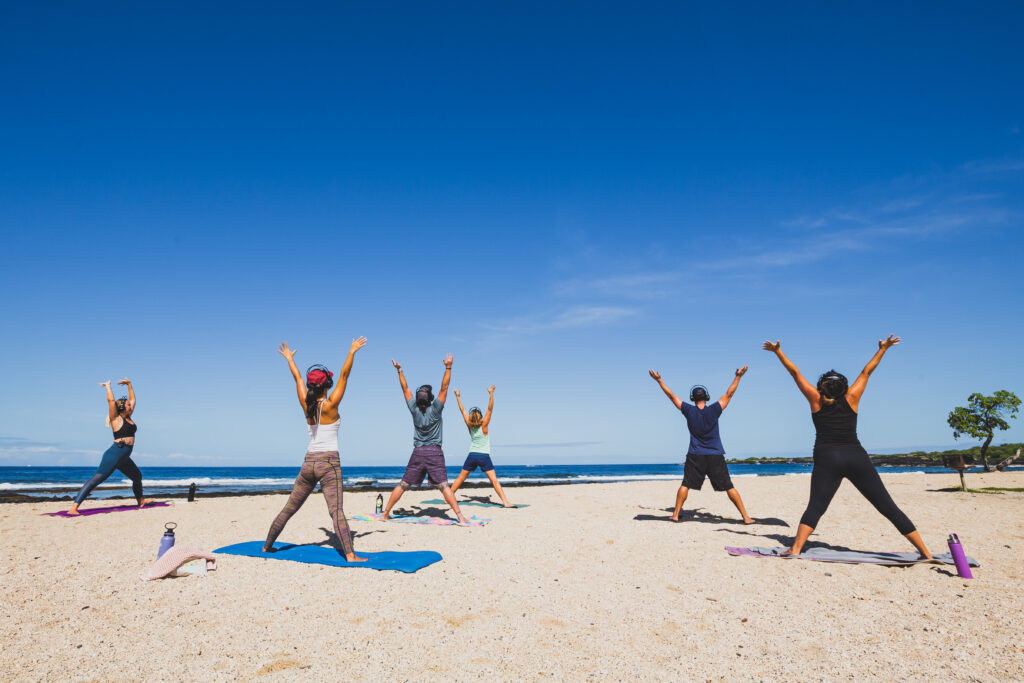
[(398, 561)]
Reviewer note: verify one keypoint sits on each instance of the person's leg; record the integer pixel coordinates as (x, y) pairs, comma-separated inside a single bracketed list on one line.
[(329, 473), (734, 496), (825, 480), (864, 476), (497, 486), (446, 492), (718, 473), (694, 470), (108, 463), (680, 499), (438, 476), (402, 487), (304, 485), (128, 468), (459, 480)]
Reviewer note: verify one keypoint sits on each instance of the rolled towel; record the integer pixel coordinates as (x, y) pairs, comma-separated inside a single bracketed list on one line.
[(174, 558)]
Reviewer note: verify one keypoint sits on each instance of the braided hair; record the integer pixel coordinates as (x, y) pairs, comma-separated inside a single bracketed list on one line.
[(832, 385)]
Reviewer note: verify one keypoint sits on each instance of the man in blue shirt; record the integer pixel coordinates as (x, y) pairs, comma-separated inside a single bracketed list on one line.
[(706, 455)]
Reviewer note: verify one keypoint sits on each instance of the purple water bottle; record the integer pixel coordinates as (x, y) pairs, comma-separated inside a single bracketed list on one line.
[(167, 540), (959, 557)]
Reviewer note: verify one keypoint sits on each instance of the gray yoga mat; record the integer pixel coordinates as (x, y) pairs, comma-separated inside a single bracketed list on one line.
[(849, 556)]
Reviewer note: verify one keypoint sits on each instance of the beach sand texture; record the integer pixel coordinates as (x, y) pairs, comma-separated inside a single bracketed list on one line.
[(572, 588)]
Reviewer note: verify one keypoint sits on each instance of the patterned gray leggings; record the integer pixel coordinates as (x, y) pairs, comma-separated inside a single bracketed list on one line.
[(325, 469)]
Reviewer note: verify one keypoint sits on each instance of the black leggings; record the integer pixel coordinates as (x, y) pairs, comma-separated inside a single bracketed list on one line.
[(832, 464)]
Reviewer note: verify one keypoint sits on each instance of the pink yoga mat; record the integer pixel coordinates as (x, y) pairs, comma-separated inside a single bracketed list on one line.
[(100, 511)]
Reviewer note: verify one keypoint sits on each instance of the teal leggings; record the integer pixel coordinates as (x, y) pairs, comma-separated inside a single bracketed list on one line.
[(117, 457)]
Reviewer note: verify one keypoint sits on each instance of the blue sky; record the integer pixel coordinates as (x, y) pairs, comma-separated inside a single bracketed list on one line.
[(563, 197)]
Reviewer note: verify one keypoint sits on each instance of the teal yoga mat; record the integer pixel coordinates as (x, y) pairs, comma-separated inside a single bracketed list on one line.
[(399, 561), (471, 503)]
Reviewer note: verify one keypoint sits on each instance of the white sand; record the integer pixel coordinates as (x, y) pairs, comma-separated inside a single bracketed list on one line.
[(572, 587)]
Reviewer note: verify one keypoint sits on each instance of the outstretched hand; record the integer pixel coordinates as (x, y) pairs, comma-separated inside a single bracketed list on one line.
[(397, 366), (457, 394), (285, 351), (357, 344), (656, 376), (105, 384), (448, 361), (125, 382), (741, 371), (490, 389), (769, 346), (891, 340)]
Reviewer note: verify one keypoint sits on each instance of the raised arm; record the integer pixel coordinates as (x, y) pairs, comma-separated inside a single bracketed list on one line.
[(401, 380), (339, 389), (856, 389), (129, 406), (678, 402), (724, 401), (465, 417), (806, 388), (490, 407), (300, 387), (111, 404), (443, 394)]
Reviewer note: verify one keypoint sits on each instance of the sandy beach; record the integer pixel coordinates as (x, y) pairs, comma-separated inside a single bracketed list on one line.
[(573, 587)]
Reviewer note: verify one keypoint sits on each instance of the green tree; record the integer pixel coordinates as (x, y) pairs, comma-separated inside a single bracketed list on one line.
[(982, 416)]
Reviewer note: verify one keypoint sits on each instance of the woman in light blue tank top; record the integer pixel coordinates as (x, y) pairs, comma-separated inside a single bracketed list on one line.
[(480, 446)]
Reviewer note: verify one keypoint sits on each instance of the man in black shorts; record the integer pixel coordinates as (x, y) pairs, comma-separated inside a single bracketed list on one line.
[(706, 456)]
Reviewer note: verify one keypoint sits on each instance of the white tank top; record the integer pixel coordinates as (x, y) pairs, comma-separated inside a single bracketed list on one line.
[(322, 437)]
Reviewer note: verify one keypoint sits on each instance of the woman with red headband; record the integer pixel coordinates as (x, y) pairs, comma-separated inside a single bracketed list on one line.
[(322, 464)]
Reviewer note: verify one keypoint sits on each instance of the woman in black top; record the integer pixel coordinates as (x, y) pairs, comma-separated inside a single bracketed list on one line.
[(118, 456), (838, 454)]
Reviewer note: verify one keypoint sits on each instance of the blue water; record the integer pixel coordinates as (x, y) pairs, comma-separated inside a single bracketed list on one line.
[(51, 482)]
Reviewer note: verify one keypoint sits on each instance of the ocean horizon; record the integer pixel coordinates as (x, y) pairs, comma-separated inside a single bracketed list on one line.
[(57, 482)]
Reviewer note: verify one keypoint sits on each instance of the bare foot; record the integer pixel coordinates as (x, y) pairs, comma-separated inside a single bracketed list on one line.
[(675, 519), (463, 521), (385, 517), (748, 520), (73, 512), (269, 549), (788, 552), (145, 501), (352, 557), (508, 504)]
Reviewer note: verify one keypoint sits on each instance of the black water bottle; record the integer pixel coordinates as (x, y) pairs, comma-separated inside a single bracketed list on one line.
[(380, 504), (192, 492)]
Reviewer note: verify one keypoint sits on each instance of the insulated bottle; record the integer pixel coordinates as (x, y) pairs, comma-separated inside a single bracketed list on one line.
[(167, 540), (959, 557), (380, 504)]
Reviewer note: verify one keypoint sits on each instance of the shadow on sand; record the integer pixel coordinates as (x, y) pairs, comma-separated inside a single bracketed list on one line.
[(695, 515)]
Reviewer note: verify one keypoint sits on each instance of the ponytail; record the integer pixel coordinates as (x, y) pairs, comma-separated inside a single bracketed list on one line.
[(314, 392), (318, 380)]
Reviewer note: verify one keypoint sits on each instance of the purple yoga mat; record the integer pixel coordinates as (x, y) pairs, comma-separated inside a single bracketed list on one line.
[(100, 511)]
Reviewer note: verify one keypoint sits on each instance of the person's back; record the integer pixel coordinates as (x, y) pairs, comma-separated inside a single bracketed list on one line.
[(835, 424), (702, 423), (479, 442), (427, 423)]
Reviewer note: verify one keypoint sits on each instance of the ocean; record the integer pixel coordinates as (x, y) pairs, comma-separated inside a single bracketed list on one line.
[(62, 482)]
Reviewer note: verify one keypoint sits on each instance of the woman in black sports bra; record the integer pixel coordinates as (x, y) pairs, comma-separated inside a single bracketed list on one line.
[(838, 453), (118, 456)]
